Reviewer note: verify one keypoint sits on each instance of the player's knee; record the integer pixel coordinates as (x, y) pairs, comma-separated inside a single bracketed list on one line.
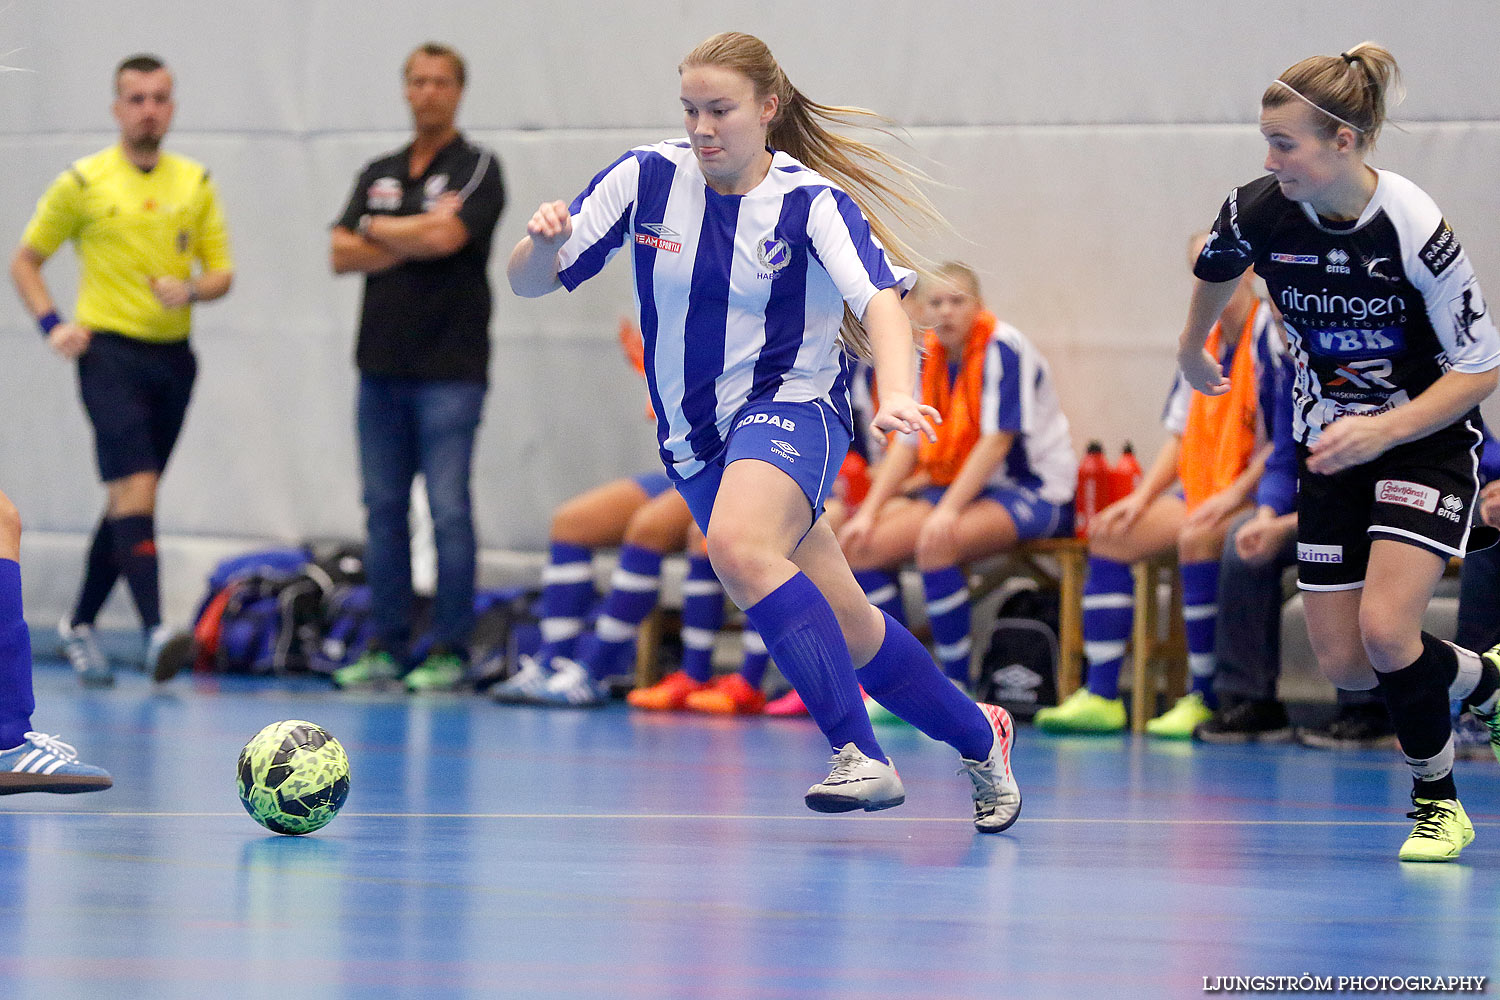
[(737, 559), (653, 532), (1389, 642)]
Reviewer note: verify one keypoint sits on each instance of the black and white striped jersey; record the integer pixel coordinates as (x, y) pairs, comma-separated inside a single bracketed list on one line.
[(1375, 310)]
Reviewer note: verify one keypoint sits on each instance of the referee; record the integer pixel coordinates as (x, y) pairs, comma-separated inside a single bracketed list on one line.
[(140, 218)]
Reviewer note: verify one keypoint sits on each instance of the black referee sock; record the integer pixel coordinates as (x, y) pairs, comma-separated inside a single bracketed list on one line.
[(99, 575), (135, 552), (1417, 697)]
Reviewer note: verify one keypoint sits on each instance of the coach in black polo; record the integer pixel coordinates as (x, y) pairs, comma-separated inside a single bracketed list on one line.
[(419, 225)]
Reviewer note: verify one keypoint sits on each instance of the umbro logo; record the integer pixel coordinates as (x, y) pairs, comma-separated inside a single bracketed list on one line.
[(659, 229), (785, 450)]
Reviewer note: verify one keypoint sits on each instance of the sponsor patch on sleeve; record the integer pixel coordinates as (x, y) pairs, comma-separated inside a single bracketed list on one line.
[(1442, 249), (1406, 494)]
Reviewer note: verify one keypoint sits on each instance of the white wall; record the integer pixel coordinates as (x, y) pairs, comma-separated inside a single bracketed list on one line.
[(1080, 145)]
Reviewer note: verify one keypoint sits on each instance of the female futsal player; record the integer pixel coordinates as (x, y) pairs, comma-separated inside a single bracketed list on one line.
[(1394, 350), (746, 258)]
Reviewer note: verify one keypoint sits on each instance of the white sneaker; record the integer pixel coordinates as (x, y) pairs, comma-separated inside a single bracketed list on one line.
[(997, 797), (525, 686), (856, 782), (571, 686), (168, 650), (81, 648)]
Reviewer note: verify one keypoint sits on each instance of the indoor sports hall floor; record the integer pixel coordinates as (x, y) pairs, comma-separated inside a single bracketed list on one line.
[(515, 852)]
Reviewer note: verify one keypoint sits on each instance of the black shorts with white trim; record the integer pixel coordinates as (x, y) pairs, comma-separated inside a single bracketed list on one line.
[(1421, 493)]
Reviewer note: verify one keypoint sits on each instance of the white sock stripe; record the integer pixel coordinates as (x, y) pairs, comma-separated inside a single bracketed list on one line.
[(953, 651), (567, 573), (623, 579), (1103, 602), (1102, 652), (1433, 768), (943, 605), (701, 588), (1201, 664), (1469, 672), (1198, 612), (752, 642), (880, 595), (611, 629), (698, 638), (558, 629)]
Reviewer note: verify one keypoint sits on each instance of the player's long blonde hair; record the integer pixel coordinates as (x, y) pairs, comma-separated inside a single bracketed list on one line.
[(1351, 88), (804, 129)]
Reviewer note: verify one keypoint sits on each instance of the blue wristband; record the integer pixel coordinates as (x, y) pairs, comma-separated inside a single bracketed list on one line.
[(48, 321)]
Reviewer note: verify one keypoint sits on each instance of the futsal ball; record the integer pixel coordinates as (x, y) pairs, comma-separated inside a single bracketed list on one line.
[(293, 777)]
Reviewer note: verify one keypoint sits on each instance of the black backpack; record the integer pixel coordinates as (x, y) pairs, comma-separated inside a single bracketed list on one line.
[(1019, 669)]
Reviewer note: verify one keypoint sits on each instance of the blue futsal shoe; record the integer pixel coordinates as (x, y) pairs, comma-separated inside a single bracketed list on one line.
[(46, 764)]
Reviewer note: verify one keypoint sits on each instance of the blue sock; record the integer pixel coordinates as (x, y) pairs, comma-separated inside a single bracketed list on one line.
[(802, 633), (902, 677), (17, 701), (1200, 612), (948, 611), (567, 589), (1108, 610), (702, 617), (756, 657), (633, 590), (883, 589)]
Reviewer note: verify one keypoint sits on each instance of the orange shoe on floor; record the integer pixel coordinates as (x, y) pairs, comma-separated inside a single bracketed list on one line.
[(727, 695), (787, 705), (666, 695)]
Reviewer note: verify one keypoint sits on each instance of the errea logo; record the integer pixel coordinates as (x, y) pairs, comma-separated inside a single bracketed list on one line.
[(1450, 508), (1338, 262)]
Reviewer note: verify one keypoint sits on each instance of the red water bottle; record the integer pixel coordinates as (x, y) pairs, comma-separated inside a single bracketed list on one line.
[(1093, 488), (1125, 476)]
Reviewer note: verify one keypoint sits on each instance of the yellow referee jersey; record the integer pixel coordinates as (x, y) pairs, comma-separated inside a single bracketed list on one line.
[(131, 225)]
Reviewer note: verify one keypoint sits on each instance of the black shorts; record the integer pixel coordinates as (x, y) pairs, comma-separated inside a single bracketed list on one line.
[(1421, 493), (136, 395)]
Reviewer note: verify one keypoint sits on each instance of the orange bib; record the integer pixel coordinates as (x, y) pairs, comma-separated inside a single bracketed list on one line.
[(1220, 434), (959, 401)]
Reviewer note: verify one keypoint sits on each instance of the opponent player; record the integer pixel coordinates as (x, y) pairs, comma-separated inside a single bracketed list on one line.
[(1394, 349), (746, 258)]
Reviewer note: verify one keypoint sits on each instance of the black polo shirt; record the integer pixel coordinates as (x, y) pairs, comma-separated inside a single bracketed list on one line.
[(430, 318)]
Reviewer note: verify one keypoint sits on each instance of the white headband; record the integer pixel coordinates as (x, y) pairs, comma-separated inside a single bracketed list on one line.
[(1308, 101)]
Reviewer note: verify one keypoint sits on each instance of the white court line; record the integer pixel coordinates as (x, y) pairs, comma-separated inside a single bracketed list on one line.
[(1113, 821)]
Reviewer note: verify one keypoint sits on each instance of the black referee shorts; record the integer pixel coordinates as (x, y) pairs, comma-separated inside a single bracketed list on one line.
[(1421, 493), (136, 395)]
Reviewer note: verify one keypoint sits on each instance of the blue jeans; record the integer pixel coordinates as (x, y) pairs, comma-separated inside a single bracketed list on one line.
[(408, 426), (1479, 601)]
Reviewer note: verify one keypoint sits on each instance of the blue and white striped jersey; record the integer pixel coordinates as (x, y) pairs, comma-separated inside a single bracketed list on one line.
[(740, 297), (1018, 397)]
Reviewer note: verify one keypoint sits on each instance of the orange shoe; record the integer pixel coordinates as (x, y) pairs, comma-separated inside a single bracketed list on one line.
[(787, 705), (727, 695), (666, 695)]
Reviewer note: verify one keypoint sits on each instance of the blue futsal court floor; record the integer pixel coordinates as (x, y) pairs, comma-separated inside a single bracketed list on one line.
[(516, 852)]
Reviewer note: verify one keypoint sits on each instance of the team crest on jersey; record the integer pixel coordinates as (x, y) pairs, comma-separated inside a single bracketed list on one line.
[(384, 195), (773, 254), (1467, 308), (432, 189)]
